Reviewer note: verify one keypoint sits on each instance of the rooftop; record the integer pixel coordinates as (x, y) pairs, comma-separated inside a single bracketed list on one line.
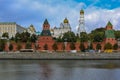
[(109, 23), (7, 23), (46, 21), (66, 20)]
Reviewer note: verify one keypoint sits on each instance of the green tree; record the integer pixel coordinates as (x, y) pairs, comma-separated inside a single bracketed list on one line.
[(82, 47), (115, 46), (10, 47), (33, 38), (5, 35), (28, 45), (12, 38), (17, 37), (59, 39), (83, 37), (72, 46), (108, 46), (2, 45), (98, 46), (45, 47), (69, 37), (25, 37), (117, 34), (97, 35), (54, 46)]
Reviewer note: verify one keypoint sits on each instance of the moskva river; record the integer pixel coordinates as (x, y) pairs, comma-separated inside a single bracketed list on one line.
[(59, 70)]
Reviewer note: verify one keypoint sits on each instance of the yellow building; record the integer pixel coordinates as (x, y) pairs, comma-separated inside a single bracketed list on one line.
[(11, 28)]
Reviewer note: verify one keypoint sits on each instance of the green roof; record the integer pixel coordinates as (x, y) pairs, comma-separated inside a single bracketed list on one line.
[(46, 21), (109, 34), (38, 33), (109, 23)]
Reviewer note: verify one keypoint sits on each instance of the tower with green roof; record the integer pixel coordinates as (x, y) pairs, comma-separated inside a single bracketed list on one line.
[(109, 34)]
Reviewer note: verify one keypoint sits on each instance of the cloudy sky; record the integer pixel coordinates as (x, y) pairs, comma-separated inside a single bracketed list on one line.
[(26, 12)]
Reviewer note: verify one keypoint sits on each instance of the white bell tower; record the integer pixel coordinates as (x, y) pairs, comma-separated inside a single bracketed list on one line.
[(81, 27)]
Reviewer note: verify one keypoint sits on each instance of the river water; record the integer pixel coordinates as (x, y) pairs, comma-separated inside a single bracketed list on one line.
[(59, 70)]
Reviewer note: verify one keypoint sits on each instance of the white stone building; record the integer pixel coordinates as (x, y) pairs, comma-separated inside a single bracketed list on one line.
[(64, 27), (11, 28)]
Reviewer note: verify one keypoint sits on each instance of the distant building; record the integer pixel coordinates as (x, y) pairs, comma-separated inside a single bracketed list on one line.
[(31, 29), (11, 28), (64, 27)]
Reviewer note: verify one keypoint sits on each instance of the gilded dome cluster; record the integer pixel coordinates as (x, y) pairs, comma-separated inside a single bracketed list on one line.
[(66, 20)]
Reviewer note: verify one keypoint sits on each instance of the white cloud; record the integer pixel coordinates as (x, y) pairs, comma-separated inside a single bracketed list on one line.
[(100, 17), (56, 12)]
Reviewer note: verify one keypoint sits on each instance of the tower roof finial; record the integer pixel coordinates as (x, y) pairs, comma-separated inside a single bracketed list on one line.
[(109, 23), (46, 21)]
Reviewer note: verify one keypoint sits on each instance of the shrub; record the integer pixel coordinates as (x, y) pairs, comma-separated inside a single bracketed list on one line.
[(72, 46), (108, 46), (54, 46), (98, 46), (28, 45), (115, 46)]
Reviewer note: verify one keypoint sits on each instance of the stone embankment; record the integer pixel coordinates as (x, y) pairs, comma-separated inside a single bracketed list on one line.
[(59, 56)]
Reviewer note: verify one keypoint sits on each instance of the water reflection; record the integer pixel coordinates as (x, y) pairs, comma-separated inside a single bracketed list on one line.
[(59, 70), (46, 71)]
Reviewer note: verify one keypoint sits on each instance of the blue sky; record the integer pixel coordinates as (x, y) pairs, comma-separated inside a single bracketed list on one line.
[(26, 12)]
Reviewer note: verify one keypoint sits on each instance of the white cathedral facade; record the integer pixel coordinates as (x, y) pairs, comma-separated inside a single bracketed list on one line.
[(64, 27)]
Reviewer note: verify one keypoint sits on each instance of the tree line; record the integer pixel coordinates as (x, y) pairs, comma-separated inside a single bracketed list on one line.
[(96, 35)]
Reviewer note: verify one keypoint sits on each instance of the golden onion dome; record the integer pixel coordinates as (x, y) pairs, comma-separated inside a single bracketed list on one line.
[(66, 20), (81, 11)]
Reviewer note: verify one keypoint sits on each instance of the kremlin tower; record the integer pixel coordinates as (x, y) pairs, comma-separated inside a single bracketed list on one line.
[(45, 38), (109, 34)]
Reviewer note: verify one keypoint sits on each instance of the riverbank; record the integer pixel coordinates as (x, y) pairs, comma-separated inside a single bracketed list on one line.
[(59, 56)]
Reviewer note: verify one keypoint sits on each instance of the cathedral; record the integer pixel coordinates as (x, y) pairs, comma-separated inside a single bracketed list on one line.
[(64, 27)]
